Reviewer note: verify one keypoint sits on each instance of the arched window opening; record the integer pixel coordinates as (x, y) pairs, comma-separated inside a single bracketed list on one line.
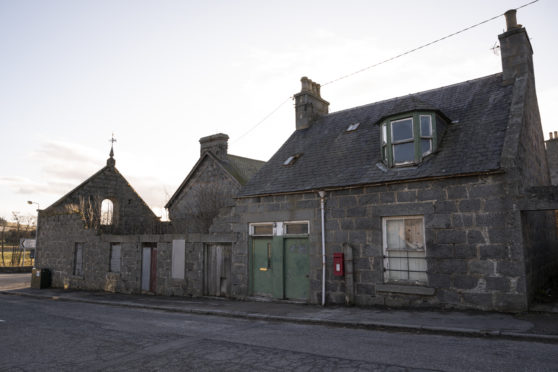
[(106, 212)]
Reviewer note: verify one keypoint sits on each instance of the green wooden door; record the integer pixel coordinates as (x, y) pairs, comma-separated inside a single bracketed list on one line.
[(262, 272), (297, 268)]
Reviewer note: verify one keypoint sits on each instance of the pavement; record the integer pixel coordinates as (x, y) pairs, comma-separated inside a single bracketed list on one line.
[(540, 325)]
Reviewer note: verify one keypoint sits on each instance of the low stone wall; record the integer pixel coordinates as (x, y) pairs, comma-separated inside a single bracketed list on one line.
[(15, 269)]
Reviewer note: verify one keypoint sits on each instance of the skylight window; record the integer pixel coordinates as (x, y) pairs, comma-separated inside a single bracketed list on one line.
[(352, 127), (291, 159)]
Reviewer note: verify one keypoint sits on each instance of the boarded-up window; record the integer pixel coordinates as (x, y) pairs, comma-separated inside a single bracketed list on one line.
[(115, 252), (404, 250), (78, 259), (178, 258)]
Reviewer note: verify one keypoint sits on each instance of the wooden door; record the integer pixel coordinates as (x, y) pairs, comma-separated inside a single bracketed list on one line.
[(297, 268), (218, 270), (146, 269), (262, 270), (149, 268), (153, 271)]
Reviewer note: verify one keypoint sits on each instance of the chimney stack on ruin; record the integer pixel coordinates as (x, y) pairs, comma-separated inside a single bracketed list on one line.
[(217, 144)]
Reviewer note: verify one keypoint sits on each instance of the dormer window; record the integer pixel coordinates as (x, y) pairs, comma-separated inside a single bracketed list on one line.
[(407, 139)]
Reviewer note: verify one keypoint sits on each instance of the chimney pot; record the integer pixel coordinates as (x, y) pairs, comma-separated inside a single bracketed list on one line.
[(555, 134), (550, 135), (511, 19), (515, 50)]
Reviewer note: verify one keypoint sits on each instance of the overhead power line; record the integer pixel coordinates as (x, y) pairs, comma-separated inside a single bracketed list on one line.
[(386, 61), (421, 47), (264, 119)]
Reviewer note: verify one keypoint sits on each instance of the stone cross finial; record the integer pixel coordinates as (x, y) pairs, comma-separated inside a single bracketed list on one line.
[(110, 161)]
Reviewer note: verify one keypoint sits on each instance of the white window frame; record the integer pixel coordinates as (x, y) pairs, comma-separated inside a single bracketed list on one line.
[(253, 225), (416, 254), (279, 228)]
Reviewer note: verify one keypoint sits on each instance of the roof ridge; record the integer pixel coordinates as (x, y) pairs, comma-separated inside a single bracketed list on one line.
[(244, 157), (410, 94)]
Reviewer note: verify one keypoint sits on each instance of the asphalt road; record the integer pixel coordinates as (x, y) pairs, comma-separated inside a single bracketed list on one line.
[(14, 281), (54, 335)]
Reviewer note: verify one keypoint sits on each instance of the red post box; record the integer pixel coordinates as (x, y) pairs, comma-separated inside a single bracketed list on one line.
[(338, 264)]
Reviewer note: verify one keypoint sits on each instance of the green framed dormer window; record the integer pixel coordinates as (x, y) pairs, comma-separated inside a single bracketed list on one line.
[(407, 139)]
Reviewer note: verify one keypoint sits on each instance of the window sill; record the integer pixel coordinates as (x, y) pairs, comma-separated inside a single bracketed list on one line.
[(405, 289)]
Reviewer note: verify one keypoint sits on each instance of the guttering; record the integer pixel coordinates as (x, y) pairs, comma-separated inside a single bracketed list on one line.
[(370, 184), (322, 203)]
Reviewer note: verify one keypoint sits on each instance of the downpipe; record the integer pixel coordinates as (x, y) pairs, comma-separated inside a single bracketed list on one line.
[(322, 204)]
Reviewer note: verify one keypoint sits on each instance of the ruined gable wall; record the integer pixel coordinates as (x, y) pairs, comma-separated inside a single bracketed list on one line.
[(131, 214), (210, 181)]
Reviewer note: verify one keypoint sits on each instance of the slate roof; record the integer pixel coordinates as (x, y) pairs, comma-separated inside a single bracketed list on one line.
[(240, 168), (332, 157)]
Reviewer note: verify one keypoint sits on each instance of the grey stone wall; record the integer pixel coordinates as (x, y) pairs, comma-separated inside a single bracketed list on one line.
[(58, 236), (130, 216), (208, 187), (552, 159), (473, 242)]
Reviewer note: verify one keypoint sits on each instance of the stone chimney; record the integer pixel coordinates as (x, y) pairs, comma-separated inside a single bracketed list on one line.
[(309, 104), (516, 50), (552, 157), (217, 144)]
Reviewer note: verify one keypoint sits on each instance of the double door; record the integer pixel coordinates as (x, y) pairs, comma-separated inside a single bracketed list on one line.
[(281, 267)]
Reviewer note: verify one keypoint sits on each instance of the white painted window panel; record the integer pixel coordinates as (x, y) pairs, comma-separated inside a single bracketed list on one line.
[(178, 258)]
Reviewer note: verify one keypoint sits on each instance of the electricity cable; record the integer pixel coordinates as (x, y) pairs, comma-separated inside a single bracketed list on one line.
[(383, 62)]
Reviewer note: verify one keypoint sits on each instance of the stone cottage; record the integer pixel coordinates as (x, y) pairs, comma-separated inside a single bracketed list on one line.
[(431, 198)]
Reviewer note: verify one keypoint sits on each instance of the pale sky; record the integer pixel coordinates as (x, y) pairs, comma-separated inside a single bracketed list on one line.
[(162, 74)]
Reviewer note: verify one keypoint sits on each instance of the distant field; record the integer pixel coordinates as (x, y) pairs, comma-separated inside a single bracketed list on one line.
[(8, 258)]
